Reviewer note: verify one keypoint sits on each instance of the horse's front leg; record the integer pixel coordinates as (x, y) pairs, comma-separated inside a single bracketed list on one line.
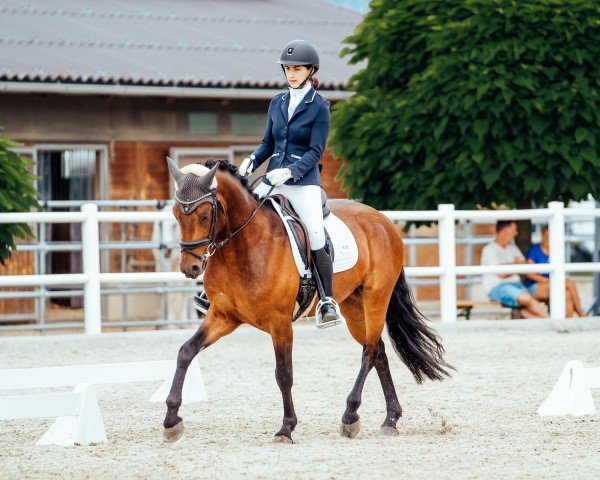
[(283, 340), (213, 328)]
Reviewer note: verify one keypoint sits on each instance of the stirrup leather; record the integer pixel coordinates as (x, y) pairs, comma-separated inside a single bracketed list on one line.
[(336, 307)]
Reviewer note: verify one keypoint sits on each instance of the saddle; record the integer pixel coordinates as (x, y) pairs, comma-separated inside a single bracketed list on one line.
[(308, 287)]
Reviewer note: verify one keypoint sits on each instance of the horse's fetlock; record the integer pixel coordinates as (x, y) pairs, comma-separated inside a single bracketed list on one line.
[(352, 404), (290, 421)]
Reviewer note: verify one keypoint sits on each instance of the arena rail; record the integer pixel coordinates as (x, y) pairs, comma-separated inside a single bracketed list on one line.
[(447, 271), (79, 418)]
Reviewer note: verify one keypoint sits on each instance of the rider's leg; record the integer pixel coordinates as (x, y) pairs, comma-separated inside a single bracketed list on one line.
[(325, 272), (306, 200)]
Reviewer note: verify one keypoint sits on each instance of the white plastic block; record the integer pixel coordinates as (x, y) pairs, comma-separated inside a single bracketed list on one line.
[(193, 386), (83, 429), (572, 394)]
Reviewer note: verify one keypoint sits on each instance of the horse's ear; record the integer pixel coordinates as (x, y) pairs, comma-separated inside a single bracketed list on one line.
[(207, 179), (174, 170)]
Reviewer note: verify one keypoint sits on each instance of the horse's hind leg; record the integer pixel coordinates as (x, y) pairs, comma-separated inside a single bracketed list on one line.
[(365, 321), (394, 410), (350, 420), (208, 333)]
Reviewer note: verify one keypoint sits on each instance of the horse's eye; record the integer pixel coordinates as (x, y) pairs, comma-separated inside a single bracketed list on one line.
[(204, 217)]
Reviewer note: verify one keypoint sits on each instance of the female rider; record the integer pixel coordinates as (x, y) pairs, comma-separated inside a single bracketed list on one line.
[(293, 143)]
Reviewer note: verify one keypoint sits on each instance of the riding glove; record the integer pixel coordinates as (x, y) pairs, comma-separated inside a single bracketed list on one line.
[(279, 176), (247, 166)]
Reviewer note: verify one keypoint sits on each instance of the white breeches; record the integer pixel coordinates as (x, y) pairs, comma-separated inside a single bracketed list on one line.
[(306, 200)]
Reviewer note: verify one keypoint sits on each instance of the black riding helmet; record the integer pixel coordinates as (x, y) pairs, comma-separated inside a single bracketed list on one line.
[(300, 52)]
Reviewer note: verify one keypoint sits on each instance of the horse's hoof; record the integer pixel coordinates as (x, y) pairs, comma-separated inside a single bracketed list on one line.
[(173, 434), (389, 431), (350, 430), (282, 439)]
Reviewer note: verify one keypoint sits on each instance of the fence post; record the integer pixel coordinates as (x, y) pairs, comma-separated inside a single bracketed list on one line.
[(447, 252), (556, 228), (91, 267)]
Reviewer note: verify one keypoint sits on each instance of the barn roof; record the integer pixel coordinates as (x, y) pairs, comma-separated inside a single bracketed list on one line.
[(183, 43)]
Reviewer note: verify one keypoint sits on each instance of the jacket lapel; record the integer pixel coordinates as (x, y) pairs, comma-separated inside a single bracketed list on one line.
[(285, 103)]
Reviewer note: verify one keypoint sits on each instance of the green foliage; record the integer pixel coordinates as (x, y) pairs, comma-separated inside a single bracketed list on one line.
[(472, 102), (17, 194)]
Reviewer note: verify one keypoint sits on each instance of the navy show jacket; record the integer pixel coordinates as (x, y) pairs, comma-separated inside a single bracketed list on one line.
[(298, 144)]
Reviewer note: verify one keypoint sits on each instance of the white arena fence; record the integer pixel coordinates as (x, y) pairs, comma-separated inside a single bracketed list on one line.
[(446, 216), (79, 418)]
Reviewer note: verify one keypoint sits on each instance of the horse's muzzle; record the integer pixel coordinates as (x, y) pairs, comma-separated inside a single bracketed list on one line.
[(193, 271)]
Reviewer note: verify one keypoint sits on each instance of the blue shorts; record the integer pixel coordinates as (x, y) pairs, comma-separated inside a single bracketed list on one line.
[(507, 293)]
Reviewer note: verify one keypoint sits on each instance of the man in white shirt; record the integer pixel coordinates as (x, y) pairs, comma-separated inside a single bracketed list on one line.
[(507, 288)]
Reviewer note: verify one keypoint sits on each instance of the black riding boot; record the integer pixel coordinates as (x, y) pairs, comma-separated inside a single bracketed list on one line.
[(325, 271), (201, 303)]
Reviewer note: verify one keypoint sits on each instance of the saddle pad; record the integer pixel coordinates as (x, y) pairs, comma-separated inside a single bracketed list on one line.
[(344, 244)]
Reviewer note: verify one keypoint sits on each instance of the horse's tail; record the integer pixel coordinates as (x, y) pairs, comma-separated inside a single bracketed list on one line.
[(416, 344)]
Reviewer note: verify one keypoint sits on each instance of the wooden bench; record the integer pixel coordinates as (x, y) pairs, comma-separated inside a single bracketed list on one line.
[(466, 306)]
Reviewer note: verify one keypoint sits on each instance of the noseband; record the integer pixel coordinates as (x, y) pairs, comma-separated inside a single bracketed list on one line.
[(189, 207)]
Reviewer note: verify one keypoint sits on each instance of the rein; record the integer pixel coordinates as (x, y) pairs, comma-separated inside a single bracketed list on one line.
[(213, 246)]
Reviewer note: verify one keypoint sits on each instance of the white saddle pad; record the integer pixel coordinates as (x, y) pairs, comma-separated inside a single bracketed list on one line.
[(344, 244)]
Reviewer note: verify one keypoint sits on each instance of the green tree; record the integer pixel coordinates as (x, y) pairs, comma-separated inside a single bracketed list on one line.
[(17, 194), (472, 102)]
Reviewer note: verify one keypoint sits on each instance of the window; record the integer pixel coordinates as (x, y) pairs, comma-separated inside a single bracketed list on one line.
[(203, 123), (248, 123)]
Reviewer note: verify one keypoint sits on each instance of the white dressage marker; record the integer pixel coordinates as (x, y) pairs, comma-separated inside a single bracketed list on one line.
[(79, 422), (193, 387), (572, 393)]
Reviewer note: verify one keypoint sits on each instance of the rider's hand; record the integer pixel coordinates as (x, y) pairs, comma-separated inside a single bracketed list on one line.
[(279, 176), (247, 166)]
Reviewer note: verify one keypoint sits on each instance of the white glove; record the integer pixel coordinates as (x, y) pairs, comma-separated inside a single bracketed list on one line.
[(247, 166), (279, 176)]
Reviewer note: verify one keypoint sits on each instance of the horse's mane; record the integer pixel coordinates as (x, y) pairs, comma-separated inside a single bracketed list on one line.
[(233, 170)]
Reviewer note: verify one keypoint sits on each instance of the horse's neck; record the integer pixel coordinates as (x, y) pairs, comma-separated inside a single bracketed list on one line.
[(238, 203), (229, 265)]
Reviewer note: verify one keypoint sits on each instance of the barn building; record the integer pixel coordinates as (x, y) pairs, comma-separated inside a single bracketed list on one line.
[(99, 93)]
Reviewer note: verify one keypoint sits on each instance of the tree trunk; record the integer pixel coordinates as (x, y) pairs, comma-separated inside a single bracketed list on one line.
[(523, 240)]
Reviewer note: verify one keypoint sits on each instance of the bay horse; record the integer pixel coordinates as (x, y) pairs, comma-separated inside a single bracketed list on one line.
[(250, 277)]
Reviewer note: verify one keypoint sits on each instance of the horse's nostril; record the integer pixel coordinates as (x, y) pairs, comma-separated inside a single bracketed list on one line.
[(195, 269)]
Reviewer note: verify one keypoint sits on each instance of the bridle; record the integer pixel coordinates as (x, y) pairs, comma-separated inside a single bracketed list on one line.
[(188, 247), (213, 245)]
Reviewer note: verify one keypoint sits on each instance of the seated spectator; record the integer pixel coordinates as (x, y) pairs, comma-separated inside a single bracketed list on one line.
[(507, 288), (538, 284)]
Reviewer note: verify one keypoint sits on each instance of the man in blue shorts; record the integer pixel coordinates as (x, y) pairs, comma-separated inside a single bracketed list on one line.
[(507, 288)]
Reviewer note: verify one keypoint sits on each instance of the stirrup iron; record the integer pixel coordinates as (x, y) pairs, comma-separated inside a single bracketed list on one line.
[(199, 303), (332, 323)]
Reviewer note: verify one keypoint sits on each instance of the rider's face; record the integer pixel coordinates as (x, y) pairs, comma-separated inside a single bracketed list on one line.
[(296, 74)]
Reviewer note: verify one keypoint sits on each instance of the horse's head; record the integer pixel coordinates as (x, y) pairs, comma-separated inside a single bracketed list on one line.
[(196, 211)]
